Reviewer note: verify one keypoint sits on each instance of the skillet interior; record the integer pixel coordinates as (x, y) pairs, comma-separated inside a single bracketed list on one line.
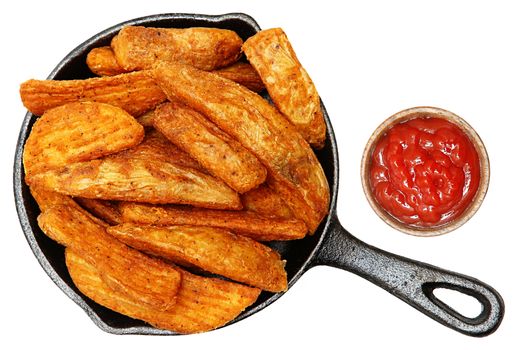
[(298, 254)]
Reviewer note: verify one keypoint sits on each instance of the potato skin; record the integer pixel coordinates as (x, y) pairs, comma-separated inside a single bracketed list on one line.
[(137, 47), (134, 92), (146, 119), (272, 189), (216, 151), (213, 249), (139, 180), (143, 279), (288, 83), (102, 62), (78, 131), (266, 202), (47, 199), (156, 147), (249, 224), (294, 171), (243, 74), (202, 303), (106, 211)]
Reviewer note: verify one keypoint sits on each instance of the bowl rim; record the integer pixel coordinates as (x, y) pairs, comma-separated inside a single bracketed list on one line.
[(414, 113)]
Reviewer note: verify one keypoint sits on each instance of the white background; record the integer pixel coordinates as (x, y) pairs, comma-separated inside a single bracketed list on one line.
[(369, 60)]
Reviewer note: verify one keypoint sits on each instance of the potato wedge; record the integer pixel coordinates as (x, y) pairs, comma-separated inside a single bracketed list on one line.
[(243, 74), (288, 83), (47, 199), (134, 92), (253, 225), (266, 202), (146, 119), (202, 303), (293, 168), (78, 131), (102, 62), (156, 147), (214, 250), (139, 180), (107, 211), (137, 47), (217, 152), (141, 278)]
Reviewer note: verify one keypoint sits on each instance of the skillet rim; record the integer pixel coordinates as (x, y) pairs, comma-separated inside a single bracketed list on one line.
[(20, 187)]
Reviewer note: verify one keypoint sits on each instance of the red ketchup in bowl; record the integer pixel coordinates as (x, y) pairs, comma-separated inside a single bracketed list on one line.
[(424, 172)]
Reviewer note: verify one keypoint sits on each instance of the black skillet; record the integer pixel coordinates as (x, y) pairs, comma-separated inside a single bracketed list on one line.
[(411, 281)]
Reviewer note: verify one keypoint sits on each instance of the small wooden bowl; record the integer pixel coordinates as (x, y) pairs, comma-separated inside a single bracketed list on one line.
[(426, 112)]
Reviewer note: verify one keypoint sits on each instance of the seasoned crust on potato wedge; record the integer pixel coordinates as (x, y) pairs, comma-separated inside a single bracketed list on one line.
[(293, 167), (78, 131), (137, 47), (202, 303), (245, 223), (213, 249), (102, 62), (139, 180), (266, 202), (107, 211), (47, 199), (288, 83), (156, 147), (216, 151), (134, 92), (243, 74), (139, 277)]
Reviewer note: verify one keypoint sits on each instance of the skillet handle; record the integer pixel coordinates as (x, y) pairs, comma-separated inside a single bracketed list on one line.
[(412, 281)]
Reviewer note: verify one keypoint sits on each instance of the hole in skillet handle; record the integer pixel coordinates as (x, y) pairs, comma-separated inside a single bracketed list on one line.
[(413, 281), (445, 295), (49, 254), (465, 305)]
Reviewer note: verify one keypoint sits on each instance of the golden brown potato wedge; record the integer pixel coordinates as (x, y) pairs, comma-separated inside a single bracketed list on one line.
[(107, 211), (202, 303), (138, 47), (156, 147), (288, 83), (243, 74), (134, 92), (139, 180), (217, 152), (78, 131), (253, 225), (265, 201), (215, 250), (146, 119), (101, 61), (47, 199), (126, 270), (294, 169)]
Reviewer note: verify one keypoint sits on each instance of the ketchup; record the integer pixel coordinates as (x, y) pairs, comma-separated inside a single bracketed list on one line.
[(425, 172)]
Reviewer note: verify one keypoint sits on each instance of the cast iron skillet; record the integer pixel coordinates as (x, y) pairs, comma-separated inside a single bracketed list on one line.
[(411, 281)]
